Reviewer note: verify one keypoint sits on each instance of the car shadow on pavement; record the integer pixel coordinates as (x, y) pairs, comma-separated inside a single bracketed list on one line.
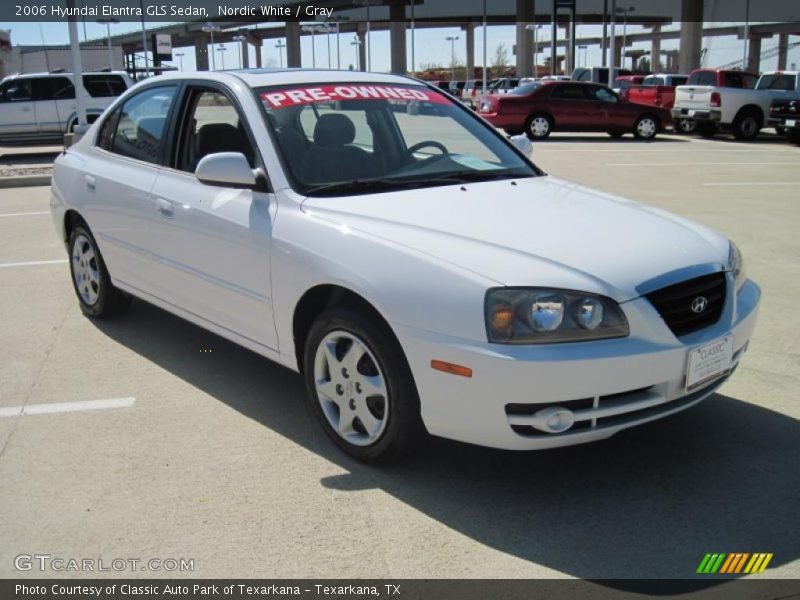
[(628, 138), (647, 503)]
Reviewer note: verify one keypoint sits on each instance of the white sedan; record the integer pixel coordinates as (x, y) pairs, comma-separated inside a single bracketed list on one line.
[(408, 260)]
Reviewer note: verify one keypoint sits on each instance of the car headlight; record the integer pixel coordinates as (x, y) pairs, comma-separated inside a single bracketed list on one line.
[(546, 316), (736, 266)]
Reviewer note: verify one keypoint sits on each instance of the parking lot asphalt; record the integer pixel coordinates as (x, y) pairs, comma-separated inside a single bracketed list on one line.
[(205, 451)]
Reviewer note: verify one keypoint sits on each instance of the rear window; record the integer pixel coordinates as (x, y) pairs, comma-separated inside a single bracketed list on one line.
[(622, 84), (676, 81), (104, 86), (702, 78), (525, 89), (777, 81), (653, 81)]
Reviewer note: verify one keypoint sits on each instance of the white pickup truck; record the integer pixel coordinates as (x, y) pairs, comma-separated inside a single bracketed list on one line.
[(732, 99)]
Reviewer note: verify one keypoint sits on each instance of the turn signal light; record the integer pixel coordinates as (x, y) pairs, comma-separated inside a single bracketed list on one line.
[(502, 321), (451, 368)]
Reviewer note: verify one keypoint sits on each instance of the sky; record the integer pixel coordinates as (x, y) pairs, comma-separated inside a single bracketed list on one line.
[(431, 45)]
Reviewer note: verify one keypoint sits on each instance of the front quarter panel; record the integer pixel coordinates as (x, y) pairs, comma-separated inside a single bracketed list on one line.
[(406, 287)]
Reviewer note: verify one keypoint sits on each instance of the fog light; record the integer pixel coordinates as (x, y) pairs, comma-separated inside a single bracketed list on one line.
[(554, 419)]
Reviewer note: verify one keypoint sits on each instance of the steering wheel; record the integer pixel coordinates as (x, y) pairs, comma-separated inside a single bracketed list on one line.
[(425, 144)]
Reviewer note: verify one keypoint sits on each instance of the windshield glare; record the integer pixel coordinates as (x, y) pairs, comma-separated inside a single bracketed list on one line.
[(346, 138)]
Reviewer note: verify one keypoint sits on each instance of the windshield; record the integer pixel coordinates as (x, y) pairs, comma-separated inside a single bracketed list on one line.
[(349, 138)]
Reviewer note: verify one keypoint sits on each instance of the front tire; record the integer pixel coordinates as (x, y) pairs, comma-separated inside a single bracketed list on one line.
[(360, 387), (538, 127), (646, 127), (97, 296)]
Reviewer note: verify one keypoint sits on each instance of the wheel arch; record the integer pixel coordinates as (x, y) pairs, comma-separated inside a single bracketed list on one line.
[(322, 297), (753, 109), (72, 218)]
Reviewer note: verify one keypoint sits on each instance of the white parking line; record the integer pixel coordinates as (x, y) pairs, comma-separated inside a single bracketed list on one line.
[(749, 183), (26, 214), (60, 407), (34, 263), (704, 164)]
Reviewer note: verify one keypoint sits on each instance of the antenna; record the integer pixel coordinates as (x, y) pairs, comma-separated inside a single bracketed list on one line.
[(47, 64)]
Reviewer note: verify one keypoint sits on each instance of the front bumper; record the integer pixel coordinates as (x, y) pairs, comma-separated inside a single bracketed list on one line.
[(691, 114), (787, 122), (611, 384)]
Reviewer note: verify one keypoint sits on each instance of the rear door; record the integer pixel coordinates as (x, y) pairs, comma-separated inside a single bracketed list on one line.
[(569, 105), (213, 240), (606, 111), (119, 179), (17, 116)]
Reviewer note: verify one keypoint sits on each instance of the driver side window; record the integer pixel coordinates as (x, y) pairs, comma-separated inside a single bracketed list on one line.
[(605, 95)]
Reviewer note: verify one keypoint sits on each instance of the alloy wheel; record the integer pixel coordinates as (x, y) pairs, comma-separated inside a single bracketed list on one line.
[(85, 270), (351, 388), (540, 127)]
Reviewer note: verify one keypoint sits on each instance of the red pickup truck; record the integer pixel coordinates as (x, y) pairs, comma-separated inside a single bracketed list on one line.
[(659, 90)]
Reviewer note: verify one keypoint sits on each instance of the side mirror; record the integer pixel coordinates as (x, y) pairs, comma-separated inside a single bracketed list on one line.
[(229, 169), (522, 143)]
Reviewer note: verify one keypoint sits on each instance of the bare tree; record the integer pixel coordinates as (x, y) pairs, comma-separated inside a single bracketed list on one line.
[(500, 58)]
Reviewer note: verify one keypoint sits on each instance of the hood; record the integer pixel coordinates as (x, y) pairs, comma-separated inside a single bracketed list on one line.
[(538, 231)]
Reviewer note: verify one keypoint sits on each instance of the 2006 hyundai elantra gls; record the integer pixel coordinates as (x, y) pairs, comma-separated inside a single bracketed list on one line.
[(418, 270)]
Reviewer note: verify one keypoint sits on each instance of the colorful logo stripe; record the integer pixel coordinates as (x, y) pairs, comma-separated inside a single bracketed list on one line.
[(734, 563)]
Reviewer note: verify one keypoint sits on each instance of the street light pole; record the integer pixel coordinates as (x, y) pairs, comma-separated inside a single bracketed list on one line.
[(222, 50), (180, 56), (280, 46), (144, 41), (108, 23), (485, 65), (211, 28), (357, 42), (452, 39)]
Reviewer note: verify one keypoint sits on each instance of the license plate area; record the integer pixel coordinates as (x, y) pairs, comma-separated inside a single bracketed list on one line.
[(709, 362), (790, 122)]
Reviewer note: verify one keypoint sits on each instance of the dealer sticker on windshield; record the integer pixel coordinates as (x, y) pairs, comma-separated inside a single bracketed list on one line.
[(709, 362)]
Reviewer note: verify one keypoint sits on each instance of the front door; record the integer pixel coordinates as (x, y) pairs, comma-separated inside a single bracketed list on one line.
[(215, 240)]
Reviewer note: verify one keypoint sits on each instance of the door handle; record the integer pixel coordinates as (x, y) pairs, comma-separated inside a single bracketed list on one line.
[(91, 184), (164, 208)]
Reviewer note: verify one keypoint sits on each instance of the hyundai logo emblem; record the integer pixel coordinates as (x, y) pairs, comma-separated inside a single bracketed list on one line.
[(699, 304)]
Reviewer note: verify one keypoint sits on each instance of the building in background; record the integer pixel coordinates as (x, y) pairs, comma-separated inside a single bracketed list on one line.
[(38, 59)]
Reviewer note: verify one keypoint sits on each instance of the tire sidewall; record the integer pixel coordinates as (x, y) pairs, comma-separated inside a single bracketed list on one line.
[(403, 417)]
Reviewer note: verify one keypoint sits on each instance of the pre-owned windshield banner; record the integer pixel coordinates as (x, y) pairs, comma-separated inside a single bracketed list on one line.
[(281, 98)]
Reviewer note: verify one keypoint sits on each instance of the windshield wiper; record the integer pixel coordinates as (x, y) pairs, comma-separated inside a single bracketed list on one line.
[(386, 183), (359, 185)]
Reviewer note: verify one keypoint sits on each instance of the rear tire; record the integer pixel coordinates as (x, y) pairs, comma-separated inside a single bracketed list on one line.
[(706, 129), (350, 354), (97, 296), (538, 127), (746, 126)]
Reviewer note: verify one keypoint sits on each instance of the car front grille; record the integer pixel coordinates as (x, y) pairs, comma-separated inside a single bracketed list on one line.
[(678, 304)]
